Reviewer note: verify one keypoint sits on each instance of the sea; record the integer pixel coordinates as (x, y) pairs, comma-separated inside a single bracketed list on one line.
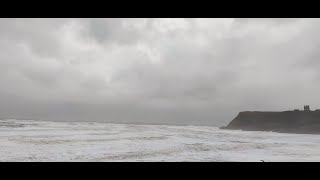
[(48, 141)]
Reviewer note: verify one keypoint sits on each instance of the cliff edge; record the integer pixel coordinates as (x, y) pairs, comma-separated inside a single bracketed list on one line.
[(307, 122)]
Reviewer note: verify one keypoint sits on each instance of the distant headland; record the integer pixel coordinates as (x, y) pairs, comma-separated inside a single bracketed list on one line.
[(295, 121)]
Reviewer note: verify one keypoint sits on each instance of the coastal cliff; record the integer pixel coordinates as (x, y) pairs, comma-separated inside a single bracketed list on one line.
[(307, 122)]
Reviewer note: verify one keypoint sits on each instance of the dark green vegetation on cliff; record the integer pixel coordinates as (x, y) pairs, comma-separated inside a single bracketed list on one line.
[(288, 121)]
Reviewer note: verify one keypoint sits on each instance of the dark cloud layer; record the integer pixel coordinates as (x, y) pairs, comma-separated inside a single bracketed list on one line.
[(176, 71)]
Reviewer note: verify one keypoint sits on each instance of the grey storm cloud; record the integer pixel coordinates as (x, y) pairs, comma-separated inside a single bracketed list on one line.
[(179, 71)]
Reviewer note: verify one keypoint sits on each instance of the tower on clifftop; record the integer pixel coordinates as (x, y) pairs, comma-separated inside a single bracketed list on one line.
[(306, 108)]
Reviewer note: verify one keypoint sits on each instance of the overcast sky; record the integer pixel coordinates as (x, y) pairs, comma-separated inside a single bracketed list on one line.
[(184, 71)]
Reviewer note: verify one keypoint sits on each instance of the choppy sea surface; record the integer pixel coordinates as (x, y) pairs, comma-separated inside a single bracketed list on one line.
[(28, 140)]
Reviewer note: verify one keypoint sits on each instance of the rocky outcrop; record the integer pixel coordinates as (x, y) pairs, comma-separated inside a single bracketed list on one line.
[(288, 121)]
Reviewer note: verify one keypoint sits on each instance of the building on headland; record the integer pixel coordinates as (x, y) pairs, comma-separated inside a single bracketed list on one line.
[(306, 108)]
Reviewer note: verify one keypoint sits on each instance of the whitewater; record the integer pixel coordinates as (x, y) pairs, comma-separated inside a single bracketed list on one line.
[(46, 141)]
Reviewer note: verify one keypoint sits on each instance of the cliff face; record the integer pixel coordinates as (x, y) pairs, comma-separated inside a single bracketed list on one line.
[(287, 121)]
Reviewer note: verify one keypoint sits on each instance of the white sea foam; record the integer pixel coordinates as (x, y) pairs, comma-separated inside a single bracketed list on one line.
[(25, 140)]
